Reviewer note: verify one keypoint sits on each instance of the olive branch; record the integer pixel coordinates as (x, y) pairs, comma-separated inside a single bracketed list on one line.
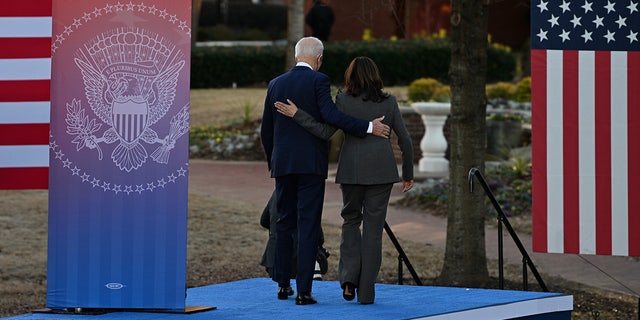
[(78, 124)]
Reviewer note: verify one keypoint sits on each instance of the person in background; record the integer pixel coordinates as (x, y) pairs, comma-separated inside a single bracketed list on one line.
[(365, 196), (320, 18), (298, 161)]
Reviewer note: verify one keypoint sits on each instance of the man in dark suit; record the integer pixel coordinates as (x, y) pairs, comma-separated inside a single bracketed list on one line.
[(298, 161)]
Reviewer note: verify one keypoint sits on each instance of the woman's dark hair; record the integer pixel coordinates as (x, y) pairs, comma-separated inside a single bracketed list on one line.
[(362, 78)]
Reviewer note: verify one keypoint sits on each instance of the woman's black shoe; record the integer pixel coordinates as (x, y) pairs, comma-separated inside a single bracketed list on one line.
[(348, 292)]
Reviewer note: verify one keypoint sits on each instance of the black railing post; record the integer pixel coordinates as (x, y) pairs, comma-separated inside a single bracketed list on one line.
[(503, 217), (400, 275), (500, 256), (401, 255), (525, 278)]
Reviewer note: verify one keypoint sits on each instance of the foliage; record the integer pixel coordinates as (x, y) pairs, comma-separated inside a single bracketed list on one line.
[(247, 111), (222, 32), (505, 116), (522, 92), (442, 94), (437, 194), (367, 35), (199, 134), (510, 183), (500, 90), (399, 61), (423, 89), (230, 142), (440, 35), (501, 64), (216, 67)]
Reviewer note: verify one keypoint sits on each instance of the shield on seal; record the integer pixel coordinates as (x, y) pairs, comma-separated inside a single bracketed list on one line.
[(130, 118)]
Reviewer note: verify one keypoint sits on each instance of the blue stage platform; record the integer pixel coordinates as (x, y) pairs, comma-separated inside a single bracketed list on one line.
[(256, 299)]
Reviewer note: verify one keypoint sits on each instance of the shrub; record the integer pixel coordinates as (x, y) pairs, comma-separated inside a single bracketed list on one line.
[(222, 32), (224, 143), (423, 89), (500, 90), (522, 91), (400, 62), (501, 64), (216, 67), (510, 183), (505, 116), (442, 94)]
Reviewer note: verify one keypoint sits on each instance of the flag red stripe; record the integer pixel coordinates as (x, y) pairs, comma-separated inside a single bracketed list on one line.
[(570, 167), (24, 178), (539, 148), (26, 8), (24, 48), (633, 112), (603, 151), (24, 134), (25, 90)]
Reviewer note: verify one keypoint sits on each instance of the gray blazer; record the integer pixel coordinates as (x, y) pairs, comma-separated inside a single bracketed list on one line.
[(319, 129), (369, 160)]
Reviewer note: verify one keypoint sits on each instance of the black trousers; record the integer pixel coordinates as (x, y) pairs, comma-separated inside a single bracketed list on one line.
[(300, 200)]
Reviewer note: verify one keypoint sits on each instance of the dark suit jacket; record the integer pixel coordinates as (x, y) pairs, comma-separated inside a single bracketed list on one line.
[(290, 149)]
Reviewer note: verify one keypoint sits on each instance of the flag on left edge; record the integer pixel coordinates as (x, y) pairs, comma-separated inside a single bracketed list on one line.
[(25, 73)]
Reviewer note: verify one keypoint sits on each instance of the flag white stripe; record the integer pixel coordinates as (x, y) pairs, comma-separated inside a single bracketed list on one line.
[(25, 69), (586, 151), (25, 27), (24, 112), (619, 156), (25, 66), (24, 156), (555, 186)]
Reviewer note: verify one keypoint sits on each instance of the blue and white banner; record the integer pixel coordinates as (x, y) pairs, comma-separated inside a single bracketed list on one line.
[(119, 154)]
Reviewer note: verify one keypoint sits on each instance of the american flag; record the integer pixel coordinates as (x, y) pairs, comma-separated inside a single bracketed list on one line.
[(25, 73), (585, 67)]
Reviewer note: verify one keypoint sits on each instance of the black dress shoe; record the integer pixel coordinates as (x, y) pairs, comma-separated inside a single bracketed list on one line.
[(349, 291), (284, 292), (305, 298)]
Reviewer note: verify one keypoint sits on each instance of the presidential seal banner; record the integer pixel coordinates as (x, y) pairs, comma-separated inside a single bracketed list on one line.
[(119, 154)]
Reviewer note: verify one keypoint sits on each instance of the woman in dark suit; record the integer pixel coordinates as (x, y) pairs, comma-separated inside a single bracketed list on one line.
[(367, 170)]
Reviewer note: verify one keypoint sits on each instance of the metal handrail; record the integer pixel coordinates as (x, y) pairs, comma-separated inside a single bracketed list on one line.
[(402, 257), (502, 219)]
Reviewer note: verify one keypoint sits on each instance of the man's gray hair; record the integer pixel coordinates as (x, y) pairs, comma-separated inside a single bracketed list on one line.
[(309, 47)]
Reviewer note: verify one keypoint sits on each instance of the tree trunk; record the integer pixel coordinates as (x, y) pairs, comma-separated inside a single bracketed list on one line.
[(295, 29), (465, 262), (196, 9)]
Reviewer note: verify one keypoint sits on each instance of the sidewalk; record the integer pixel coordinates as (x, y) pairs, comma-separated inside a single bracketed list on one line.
[(250, 182)]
